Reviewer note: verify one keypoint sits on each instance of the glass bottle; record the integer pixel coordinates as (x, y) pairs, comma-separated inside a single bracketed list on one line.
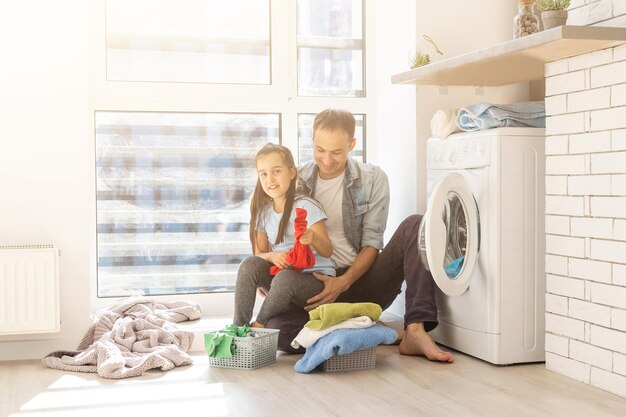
[(525, 22)]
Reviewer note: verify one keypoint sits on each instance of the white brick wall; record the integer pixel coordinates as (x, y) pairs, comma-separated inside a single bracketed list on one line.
[(560, 346), (592, 355), (619, 275), (618, 140), (589, 270), (590, 142), (618, 319), (618, 184), (619, 362), (586, 207), (592, 227)]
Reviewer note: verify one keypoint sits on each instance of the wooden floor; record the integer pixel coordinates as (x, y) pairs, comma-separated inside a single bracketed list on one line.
[(398, 386)]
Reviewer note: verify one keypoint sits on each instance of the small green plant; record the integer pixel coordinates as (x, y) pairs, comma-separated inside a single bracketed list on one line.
[(546, 5), (420, 59)]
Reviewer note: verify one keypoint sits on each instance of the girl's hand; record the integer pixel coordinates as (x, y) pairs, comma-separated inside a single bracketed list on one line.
[(278, 259), (307, 237)]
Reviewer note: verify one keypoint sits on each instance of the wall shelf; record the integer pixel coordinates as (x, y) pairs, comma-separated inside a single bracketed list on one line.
[(521, 59)]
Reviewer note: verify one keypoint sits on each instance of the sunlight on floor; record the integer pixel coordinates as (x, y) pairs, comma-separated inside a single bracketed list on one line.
[(211, 407), (156, 394)]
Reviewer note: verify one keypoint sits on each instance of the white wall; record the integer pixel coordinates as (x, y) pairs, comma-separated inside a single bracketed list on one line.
[(586, 208), (394, 146), (447, 23), (457, 27), (46, 152)]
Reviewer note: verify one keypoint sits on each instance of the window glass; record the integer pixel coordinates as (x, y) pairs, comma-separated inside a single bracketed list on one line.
[(206, 41), (305, 133), (330, 48), (173, 195)]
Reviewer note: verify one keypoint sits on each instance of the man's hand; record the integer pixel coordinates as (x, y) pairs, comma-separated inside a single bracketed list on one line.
[(333, 287)]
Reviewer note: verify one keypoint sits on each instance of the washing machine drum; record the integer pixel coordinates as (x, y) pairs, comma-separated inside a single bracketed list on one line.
[(449, 235)]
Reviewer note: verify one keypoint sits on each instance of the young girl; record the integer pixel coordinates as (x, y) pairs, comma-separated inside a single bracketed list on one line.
[(272, 210)]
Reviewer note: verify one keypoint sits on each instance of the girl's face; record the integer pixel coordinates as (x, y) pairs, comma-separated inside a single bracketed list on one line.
[(274, 175)]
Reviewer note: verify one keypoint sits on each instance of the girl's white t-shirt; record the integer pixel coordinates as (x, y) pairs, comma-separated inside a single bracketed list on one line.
[(270, 220)]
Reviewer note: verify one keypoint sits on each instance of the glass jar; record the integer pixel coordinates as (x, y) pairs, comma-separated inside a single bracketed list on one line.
[(525, 22), (424, 51)]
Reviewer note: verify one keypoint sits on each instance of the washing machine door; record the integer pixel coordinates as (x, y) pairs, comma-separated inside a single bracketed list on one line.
[(449, 235)]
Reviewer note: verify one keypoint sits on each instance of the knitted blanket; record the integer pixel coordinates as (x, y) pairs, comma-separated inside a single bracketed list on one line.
[(131, 337)]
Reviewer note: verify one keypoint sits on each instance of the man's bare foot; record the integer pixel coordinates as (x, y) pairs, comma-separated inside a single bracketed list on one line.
[(400, 333), (417, 342), (257, 325)]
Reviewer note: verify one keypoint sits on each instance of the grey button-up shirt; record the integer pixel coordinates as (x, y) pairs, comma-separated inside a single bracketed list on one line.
[(365, 206)]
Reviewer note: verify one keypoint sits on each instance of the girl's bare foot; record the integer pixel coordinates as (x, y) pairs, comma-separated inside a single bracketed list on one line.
[(417, 342), (257, 325)]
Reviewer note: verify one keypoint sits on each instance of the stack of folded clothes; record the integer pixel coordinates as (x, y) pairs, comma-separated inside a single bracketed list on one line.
[(339, 329), (482, 116)]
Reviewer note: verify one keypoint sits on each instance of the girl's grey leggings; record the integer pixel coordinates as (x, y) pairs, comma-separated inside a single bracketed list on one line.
[(286, 288)]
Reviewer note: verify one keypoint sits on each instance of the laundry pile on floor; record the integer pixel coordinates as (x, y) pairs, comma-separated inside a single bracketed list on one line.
[(131, 337), (483, 116), (339, 329)]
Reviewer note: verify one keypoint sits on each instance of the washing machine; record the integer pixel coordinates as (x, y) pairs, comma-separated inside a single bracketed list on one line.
[(482, 238)]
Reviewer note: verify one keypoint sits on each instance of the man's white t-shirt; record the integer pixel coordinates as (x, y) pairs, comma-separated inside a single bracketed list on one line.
[(330, 194)]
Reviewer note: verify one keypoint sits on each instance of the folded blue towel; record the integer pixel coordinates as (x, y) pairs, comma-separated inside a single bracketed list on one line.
[(482, 116), (342, 342)]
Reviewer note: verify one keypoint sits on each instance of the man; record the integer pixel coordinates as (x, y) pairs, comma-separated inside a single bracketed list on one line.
[(355, 197)]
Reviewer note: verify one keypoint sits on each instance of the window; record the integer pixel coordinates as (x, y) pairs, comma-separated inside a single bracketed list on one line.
[(305, 134), (330, 48), (212, 41), (184, 92), (172, 199)]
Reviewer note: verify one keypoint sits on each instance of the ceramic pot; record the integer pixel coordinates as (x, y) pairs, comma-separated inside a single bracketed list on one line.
[(553, 18)]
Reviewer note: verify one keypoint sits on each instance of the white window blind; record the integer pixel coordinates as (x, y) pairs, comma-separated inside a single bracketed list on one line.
[(172, 199)]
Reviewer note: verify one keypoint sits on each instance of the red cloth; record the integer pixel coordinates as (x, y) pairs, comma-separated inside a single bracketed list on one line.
[(299, 256)]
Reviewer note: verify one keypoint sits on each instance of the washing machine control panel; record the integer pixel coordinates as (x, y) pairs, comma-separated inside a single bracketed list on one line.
[(459, 152)]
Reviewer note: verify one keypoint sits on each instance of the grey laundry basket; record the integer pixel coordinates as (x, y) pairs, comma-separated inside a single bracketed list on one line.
[(357, 360), (251, 352)]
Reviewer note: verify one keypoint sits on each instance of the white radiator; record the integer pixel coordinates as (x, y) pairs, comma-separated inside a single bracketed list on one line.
[(29, 289)]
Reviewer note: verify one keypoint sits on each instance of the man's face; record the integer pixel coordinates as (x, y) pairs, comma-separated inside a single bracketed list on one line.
[(330, 151)]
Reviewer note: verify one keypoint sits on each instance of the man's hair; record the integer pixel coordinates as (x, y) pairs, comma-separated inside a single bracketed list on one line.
[(335, 119)]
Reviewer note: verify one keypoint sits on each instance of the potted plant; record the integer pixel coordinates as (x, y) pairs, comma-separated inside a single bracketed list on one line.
[(553, 12), (422, 51)]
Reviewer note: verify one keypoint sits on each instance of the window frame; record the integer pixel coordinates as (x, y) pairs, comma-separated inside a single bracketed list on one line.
[(278, 97)]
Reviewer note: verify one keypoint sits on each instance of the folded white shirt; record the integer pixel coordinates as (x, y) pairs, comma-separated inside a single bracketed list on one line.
[(308, 337)]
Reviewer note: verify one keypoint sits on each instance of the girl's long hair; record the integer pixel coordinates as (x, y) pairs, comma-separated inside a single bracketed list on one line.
[(260, 200)]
